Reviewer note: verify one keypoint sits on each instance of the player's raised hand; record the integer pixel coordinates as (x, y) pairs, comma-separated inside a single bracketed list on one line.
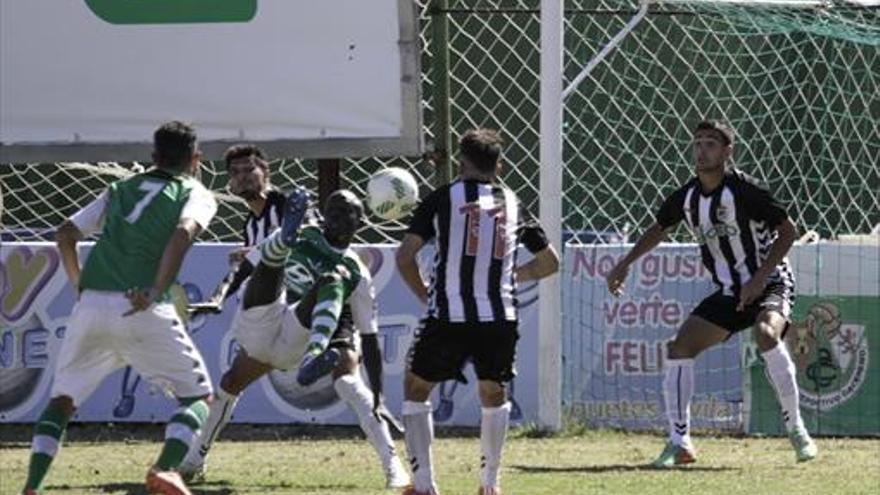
[(749, 292), (211, 307), (616, 278), (236, 256), (383, 414)]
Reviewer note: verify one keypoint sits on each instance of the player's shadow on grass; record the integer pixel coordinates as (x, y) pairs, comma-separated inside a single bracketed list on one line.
[(202, 488), (130, 489), (611, 468)]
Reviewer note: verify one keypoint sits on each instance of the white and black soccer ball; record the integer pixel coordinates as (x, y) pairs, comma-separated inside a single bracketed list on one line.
[(392, 193)]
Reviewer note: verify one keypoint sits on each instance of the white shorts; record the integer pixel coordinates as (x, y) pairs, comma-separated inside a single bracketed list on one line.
[(272, 334), (99, 340)]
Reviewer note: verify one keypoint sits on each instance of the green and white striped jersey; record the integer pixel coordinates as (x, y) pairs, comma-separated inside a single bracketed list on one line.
[(312, 257)]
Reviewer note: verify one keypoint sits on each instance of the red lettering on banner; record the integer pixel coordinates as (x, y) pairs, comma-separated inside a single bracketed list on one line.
[(652, 312), (650, 271), (634, 357), (590, 265)]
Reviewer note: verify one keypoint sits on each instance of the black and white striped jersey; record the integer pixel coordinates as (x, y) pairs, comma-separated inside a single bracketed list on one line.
[(735, 226), (477, 226), (258, 227)]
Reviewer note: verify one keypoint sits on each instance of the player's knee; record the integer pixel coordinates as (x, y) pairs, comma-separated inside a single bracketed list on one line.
[(492, 394), (415, 388), (231, 383), (678, 349), (188, 401), (63, 403), (766, 335), (348, 363)]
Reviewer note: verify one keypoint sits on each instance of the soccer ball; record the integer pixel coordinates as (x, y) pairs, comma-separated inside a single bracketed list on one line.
[(392, 193)]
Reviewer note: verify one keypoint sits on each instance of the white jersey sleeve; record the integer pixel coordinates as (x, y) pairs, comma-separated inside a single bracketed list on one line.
[(363, 305), (90, 219), (201, 206)]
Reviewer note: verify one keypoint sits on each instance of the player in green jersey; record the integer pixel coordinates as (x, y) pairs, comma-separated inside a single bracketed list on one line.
[(124, 315), (333, 293)]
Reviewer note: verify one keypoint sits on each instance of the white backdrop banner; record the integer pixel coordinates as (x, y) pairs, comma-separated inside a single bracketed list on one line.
[(99, 72)]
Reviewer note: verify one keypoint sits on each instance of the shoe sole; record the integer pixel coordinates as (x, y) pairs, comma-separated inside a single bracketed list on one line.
[(318, 367), (676, 463), (294, 213), (192, 478), (165, 487), (807, 458)]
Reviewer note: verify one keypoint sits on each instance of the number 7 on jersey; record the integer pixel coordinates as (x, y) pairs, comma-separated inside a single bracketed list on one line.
[(152, 188)]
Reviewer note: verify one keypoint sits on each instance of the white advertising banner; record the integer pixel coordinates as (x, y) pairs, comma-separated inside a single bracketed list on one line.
[(91, 79), (36, 300)]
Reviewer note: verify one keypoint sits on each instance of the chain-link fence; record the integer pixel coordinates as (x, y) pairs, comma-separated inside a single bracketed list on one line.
[(800, 86)]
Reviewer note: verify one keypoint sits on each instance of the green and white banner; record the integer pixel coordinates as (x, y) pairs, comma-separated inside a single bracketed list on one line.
[(834, 340)]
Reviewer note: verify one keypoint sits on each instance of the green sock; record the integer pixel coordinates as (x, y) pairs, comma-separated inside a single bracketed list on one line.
[(47, 440), (273, 250), (325, 316), (182, 429)]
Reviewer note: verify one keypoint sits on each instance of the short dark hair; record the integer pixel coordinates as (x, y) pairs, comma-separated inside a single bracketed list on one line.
[(237, 151), (482, 148), (174, 143), (724, 130)]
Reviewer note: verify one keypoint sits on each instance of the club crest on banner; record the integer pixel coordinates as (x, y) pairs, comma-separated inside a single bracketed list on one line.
[(831, 356)]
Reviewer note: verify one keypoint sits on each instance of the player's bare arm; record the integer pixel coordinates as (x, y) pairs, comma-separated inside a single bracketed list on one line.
[(544, 264), (66, 238), (229, 285), (373, 363), (787, 233), (409, 267), (648, 241)]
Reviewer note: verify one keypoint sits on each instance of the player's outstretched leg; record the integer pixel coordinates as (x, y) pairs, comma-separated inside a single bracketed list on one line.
[(419, 434), (294, 213), (493, 431), (678, 389), (781, 374), (182, 430), (321, 306), (275, 248), (352, 389), (244, 371), (192, 469), (695, 335), (47, 441)]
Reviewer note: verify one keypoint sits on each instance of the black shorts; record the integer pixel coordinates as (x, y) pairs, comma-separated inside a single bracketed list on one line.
[(343, 337), (441, 349), (721, 309)]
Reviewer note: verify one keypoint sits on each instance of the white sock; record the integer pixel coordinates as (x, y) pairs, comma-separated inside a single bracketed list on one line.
[(678, 389), (219, 413), (782, 375), (352, 389), (493, 430), (419, 434)]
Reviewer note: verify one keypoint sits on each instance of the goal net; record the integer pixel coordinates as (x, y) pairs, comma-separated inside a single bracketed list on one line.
[(799, 81)]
